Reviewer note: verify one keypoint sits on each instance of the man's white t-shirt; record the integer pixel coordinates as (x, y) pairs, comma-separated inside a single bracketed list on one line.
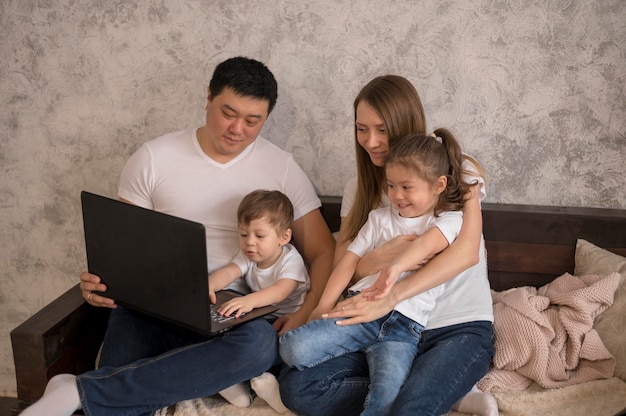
[(289, 265), (466, 297), (172, 174), (383, 225)]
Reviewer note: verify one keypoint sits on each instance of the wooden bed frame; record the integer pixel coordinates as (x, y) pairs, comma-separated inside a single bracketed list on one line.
[(526, 245)]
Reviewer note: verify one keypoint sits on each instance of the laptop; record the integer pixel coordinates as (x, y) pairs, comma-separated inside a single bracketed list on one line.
[(155, 263)]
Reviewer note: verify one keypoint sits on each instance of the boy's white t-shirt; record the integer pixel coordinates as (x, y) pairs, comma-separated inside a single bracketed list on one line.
[(466, 297), (289, 265), (384, 224), (172, 174)]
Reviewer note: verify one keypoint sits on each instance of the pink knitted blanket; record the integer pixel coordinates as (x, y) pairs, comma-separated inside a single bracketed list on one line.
[(546, 335)]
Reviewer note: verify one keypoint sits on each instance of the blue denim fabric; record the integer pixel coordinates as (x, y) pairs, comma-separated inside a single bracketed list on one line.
[(389, 343), (171, 364), (449, 362)]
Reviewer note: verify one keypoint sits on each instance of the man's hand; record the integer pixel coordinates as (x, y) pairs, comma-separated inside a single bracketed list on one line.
[(290, 321), (90, 282), (317, 313)]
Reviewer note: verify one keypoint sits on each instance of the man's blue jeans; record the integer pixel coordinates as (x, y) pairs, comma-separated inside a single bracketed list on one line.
[(147, 364), (450, 361), (389, 343)]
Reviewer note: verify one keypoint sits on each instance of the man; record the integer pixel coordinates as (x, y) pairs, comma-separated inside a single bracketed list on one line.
[(199, 174)]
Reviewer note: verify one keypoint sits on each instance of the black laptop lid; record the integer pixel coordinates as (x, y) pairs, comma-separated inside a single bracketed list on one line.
[(150, 261)]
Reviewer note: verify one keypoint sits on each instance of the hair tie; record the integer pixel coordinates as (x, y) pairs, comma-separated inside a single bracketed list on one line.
[(434, 136)]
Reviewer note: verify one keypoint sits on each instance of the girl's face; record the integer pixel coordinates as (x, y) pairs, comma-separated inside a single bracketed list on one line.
[(371, 133), (410, 194), (261, 243)]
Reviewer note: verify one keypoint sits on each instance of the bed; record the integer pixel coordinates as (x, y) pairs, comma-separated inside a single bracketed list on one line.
[(527, 246)]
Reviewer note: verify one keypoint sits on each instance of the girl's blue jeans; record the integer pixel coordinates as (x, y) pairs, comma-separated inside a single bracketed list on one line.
[(147, 364), (449, 362), (389, 344)]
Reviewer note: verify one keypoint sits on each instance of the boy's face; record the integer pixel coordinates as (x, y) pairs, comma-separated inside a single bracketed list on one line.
[(261, 242), (233, 122)]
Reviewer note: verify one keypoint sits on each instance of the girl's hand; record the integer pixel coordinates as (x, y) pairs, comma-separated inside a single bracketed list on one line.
[(387, 277), (357, 309)]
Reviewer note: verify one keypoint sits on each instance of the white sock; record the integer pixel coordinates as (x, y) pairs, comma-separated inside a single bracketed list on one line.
[(237, 395), (60, 398), (477, 402), (266, 387)]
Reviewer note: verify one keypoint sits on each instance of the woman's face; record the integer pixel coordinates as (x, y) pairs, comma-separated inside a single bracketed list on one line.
[(371, 133)]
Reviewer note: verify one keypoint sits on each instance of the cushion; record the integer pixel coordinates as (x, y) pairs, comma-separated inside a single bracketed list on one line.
[(610, 324)]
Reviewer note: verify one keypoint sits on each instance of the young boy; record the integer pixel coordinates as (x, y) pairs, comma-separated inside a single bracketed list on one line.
[(272, 268)]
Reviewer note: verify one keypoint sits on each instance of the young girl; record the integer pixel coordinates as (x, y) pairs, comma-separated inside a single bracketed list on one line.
[(427, 192)]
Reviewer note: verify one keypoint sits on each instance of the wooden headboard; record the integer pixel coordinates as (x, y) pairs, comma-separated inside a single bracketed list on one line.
[(526, 245), (530, 245)]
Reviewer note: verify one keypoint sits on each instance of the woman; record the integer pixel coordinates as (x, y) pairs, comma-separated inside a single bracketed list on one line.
[(456, 347)]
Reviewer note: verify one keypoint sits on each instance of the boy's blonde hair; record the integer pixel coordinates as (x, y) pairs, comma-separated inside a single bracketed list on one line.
[(273, 205)]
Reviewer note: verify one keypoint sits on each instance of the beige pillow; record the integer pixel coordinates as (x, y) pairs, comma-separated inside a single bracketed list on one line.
[(610, 324)]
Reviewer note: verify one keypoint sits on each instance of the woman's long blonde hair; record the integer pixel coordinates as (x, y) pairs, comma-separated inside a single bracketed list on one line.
[(399, 106)]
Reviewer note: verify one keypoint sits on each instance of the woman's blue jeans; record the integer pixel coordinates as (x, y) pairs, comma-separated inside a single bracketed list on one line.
[(147, 364), (389, 343), (450, 361)]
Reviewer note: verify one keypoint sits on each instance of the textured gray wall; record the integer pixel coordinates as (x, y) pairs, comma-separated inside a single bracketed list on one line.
[(533, 89)]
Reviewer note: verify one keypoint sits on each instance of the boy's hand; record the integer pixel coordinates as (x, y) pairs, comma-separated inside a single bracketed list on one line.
[(238, 306), (212, 297)]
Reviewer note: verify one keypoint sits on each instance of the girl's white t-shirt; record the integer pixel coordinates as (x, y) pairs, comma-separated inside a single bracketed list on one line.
[(466, 297), (384, 224)]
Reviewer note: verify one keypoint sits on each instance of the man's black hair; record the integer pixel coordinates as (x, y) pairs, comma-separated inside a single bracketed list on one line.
[(247, 78)]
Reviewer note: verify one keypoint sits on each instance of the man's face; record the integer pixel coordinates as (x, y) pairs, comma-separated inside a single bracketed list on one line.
[(233, 123)]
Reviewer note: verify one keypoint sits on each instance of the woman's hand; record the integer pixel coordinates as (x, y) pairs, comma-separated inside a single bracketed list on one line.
[(90, 282), (382, 256), (357, 309)]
